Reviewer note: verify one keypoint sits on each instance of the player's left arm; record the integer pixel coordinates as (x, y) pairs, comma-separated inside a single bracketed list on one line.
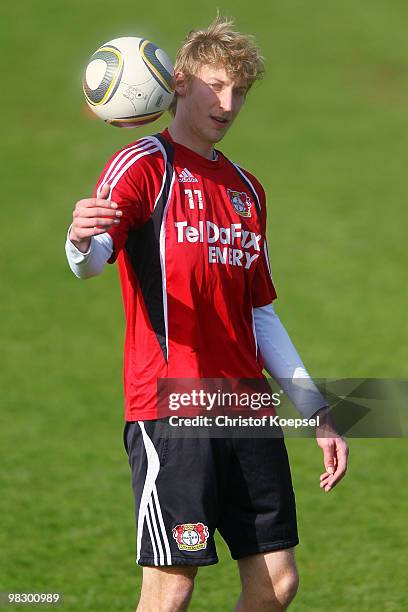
[(284, 364)]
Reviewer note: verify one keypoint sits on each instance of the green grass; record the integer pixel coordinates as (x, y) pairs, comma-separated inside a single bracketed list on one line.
[(326, 133)]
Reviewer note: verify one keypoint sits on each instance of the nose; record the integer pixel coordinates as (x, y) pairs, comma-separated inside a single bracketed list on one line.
[(226, 100)]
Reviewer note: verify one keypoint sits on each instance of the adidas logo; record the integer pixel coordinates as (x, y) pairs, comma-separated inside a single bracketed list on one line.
[(186, 177)]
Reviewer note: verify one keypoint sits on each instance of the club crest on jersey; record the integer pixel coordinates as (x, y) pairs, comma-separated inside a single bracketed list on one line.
[(191, 536), (240, 201)]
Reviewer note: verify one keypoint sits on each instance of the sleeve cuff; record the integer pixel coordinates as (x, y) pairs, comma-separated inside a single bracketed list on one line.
[(75, 255)]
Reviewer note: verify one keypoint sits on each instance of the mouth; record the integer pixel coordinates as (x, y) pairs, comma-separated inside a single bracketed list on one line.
[(220, 121)]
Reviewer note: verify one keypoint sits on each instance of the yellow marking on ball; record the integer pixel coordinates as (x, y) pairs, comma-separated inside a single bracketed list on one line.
[(167, 86)]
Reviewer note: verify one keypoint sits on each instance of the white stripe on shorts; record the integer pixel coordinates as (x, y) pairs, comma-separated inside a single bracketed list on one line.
[(150, 499)]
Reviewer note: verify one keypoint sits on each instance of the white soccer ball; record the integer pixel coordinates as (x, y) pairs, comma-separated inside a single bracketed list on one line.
[(129, 82)]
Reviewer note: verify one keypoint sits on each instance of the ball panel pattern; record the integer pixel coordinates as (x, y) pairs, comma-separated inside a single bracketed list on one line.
[(111, 79), (135, 121), (158, 71)]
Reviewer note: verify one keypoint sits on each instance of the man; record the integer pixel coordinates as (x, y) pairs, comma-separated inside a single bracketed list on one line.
[(188, 228)]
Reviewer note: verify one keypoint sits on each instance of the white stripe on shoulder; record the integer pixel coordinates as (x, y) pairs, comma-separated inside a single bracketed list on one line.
[(126, 167), (141, 145), (138, 145), (115, 172), (242, 173), (124, 157)]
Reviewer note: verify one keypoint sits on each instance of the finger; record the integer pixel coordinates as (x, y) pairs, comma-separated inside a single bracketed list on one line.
[(104, 192), (338, 475), (324, 483), (98, 211), (332, 480), (99, 230), (89, 202), (342, 455), (89, 232), (327, 483), (329, 456), (95, 222), (86, 232)]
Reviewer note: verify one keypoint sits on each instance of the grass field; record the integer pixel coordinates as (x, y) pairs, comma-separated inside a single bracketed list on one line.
[(327, 133)]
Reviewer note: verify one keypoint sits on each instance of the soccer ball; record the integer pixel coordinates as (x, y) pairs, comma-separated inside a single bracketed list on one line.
[(129, 82)]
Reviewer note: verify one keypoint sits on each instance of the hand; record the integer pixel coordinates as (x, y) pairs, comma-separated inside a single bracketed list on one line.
[(335, 451), (93, 216)]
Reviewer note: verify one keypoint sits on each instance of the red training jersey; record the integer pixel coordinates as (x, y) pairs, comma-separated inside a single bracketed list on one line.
[(193, 263)]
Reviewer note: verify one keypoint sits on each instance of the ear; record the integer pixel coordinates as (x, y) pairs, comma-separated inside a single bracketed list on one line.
[(180, 84)]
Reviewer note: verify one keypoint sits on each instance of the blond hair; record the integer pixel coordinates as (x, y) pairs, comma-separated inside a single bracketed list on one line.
[(220, 45)]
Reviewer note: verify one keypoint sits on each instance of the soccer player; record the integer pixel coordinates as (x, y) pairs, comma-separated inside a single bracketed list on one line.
[(188, 229)]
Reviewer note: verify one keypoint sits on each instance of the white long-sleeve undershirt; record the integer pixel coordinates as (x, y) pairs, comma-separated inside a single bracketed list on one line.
[(283, 362), (281, 359), (91, 263)]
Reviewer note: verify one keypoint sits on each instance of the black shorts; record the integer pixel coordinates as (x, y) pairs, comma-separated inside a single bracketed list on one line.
[(187, 488)]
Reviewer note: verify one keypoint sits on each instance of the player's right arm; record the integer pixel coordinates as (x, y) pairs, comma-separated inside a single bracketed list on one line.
[(124, 199), (88, 246), (91, 217)]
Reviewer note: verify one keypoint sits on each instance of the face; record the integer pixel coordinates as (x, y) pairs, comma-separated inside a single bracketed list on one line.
[(209, 103)]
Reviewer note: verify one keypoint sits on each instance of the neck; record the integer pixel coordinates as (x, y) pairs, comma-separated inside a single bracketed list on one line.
[(182, 134)]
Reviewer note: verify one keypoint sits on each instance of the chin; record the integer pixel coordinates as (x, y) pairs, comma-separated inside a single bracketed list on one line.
[(212, 136), (217, 136)]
